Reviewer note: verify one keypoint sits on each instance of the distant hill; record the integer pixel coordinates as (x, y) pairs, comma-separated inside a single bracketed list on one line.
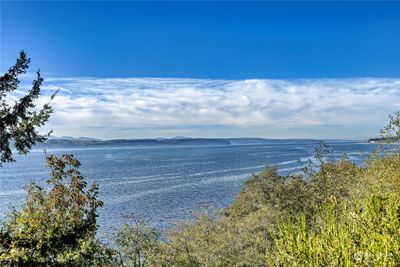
[(383, 140), (81, 138), (246, 141), (180, 137), (82, 142), (67, 142)]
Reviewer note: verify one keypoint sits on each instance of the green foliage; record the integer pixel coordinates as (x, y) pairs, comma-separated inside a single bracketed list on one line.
[(262, 188), (19, 122), (281, 195), (391, 132), (207, 241), (134, 242), (365, 234), (56, 226), (355, 218), (252, 227), (380, 177)]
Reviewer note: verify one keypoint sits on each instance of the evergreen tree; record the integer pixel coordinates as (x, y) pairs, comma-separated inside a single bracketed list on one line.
[(19, 121)]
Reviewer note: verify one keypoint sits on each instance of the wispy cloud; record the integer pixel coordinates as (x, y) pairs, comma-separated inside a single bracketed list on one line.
[(150, 107)]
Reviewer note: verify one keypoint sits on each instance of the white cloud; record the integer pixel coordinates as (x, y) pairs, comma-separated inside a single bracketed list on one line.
[(150, 107)]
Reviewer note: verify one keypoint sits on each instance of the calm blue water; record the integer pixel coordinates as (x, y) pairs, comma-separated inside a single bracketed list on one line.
[(164, 184)]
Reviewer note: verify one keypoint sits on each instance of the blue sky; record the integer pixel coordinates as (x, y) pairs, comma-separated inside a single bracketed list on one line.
[(229, 40), (269, 69)]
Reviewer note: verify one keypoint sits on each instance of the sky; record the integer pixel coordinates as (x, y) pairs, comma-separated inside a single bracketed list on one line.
[(210, 69)]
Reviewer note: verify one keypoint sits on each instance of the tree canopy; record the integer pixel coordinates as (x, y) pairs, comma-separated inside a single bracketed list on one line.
[(391, 132), (19, 121), (56, 226)]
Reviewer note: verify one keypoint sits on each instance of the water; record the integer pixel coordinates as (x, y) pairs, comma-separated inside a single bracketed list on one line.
[(164, 184)]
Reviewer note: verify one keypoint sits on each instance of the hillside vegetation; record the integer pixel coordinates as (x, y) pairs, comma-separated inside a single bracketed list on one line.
[(340, 215)]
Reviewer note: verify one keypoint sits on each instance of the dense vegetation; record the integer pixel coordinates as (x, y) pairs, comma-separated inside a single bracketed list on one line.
[(340, 215), (334, 213), (55, 226)]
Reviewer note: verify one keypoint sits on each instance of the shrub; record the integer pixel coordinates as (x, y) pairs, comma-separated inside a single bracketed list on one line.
[(367, 234), (57, 226), (134, 242)]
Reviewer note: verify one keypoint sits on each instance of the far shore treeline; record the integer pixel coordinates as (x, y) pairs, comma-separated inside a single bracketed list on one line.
[(93, 142), (334, 213), (87, 142)]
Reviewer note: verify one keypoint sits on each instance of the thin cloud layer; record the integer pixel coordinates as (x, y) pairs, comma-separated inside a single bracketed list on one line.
[(153, 107)]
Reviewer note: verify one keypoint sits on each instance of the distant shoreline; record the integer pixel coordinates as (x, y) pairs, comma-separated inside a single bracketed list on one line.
[(86, 142), (381, 140)]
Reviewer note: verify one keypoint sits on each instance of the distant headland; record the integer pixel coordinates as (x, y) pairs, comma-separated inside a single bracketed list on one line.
[(87, 142), (66, 141), (383, 140)]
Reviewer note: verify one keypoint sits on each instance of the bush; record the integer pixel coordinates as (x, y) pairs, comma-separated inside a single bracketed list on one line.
[(55, 227), (366, 234), (134, 242)]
